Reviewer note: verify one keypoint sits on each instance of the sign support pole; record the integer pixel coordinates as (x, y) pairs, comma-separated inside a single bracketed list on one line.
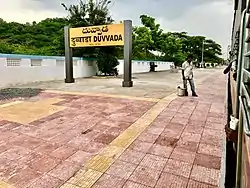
[(68, 57), (127, 77)]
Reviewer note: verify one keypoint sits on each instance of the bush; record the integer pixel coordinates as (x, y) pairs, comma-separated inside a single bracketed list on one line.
[(107, 63)]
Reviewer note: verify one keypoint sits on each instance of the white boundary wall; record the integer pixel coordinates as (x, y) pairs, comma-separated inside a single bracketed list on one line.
[(20, 69)]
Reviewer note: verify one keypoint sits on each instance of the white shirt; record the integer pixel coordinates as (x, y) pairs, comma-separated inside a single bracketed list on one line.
[(188, 69)]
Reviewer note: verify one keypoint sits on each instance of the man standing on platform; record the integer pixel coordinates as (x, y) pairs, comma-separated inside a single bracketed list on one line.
[(188, 74)]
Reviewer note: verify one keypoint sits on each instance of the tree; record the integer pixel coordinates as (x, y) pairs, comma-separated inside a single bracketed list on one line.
[(92, 13), (47, 38)]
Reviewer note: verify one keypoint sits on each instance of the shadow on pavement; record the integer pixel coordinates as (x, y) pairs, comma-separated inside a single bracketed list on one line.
[(10, 93)]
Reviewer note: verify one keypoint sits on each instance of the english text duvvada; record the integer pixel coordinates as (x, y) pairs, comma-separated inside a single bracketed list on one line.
[(100, 39)]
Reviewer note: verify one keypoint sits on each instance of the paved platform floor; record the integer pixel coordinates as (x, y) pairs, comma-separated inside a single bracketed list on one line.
[(161, 84), (73, 140)]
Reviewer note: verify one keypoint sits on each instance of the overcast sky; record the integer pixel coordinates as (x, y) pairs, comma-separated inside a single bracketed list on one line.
[(210, 18)]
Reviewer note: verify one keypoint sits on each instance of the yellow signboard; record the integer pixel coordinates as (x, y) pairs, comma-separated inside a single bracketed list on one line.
[(104, 35)]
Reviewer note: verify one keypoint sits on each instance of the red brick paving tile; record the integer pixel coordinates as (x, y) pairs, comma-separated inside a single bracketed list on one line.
[(200, 118), (110, 123), (92, 147), (80, 157), (105, 138), (63, 152), (154, 162), (162, 151), (171, 181), (193, 129), (92, 134), (64, 138), (155, 130), (108, 181), (162, 120), (124, 125), (145, 176), (168, 112), (178, 168), (213, 133), (172, 108), (172, 133), (175, 126), (3, 147), (17, 140), (64, 170), (114, 131), (196, 123), (140, 146), (212, 140), (187, 145), (208, 161), (101, 128), (4, 164), (191, 137), (6, 135), (45, 164), (10, 126), (183, 155), (209, 150), (47, 148), (216, 114), (121, 169), (179, 120), (10, 168), (27, 141), (116, 116), (78, 141), (29, 158), (148, 137), (205, 175), (167, 141), (218, 126), (187, 108), (15, 153), (24, 177), (130, 184), (183, 115), (132, 156), (196, 184), (215, 120), (46, 181)]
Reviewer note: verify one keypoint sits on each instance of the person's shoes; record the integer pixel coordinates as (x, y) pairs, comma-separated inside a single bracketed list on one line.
[(194, 95)]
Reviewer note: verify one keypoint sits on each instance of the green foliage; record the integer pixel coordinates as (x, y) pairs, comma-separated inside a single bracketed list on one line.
[(88, 14), (107, 61), (46, 38), (175, 46)]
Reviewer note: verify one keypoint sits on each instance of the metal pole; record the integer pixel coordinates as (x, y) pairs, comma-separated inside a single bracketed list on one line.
[(240, 60), (239, 151), (127, 76), (238, 99), (68, 57)]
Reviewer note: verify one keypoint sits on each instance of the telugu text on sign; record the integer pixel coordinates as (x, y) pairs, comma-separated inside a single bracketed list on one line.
[(105, 35)]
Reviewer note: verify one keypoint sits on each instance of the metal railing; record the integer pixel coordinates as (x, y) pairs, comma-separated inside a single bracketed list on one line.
[(243, 89)]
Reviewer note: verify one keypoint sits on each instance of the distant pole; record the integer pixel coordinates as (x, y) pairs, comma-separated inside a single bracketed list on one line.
[(228, 50), (202, 52)]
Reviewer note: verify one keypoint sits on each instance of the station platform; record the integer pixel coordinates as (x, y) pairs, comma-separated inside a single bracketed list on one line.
[(66, 139)]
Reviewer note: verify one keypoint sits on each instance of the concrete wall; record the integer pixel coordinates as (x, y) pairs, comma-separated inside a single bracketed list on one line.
[(19, 69)]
